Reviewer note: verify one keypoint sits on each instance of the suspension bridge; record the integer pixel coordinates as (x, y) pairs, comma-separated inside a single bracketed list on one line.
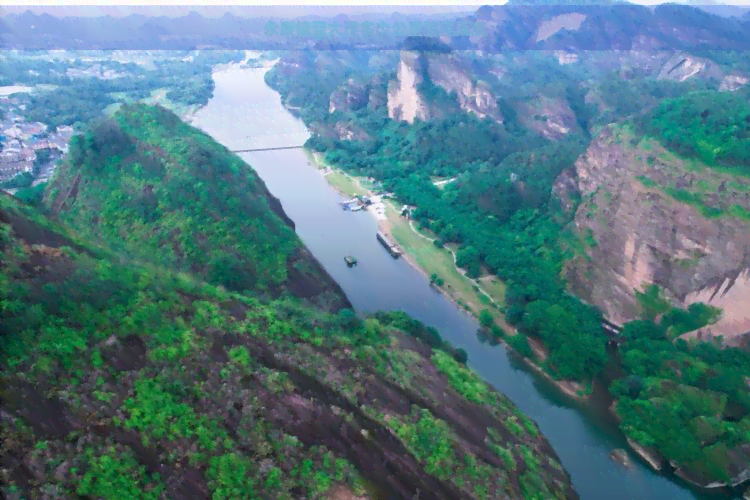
[(253, 150), (612, 330)]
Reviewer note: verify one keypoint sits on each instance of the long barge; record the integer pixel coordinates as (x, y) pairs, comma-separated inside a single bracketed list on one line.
[(392, 249)]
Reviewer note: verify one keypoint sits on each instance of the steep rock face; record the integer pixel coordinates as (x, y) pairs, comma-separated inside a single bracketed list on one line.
[(342, 130), (451, 74), (548, 28), (378, 96), (730, 83), (349, 132), (565, 57), (637, 235), (732, 294), (617, 26), (447, 71), (405, 103), (351, 96), (628, 63), (682, 67), (551, 118)]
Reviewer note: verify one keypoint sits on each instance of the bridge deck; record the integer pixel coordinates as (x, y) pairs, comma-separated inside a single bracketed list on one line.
[(266, 149)]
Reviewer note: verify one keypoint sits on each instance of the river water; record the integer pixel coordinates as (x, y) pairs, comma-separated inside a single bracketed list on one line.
[(244, 114)]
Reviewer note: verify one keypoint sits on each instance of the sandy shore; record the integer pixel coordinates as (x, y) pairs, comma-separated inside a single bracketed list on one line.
[(648, 456)]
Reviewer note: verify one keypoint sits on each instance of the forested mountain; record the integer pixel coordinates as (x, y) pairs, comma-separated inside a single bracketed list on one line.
[(594, 161), (616, 175), (133, 367), (605, 26), (155, 189)]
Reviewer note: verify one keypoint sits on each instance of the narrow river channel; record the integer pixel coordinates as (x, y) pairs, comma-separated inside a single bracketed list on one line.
[(244, 113)]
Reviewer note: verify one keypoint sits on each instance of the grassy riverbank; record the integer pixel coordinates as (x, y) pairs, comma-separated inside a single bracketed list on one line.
[(421, 252), (474, 296)]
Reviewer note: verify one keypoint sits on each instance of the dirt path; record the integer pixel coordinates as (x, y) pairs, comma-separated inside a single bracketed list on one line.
[(385, 226), (460, 270), (444, 182)]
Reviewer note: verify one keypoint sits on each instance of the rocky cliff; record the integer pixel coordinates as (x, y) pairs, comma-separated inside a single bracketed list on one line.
[(681, 67), (638, 227), (451, 73), (613, 26), (730, 83), (351, 96), (550, 117), (406, 101)]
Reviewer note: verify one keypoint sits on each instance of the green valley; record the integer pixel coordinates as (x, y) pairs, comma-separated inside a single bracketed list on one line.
[(134, 372), (536, 206)]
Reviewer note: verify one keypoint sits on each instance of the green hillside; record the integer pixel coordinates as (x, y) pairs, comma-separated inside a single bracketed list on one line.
[(125, 375), (152, 188)]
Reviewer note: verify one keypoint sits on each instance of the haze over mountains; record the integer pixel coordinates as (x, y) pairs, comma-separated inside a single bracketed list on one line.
[(513, 25)]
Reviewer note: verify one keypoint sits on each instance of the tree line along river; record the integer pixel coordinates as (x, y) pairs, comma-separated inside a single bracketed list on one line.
[(246, 114)]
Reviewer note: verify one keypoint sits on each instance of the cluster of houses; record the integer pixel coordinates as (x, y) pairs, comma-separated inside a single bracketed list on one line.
[(22, 140)]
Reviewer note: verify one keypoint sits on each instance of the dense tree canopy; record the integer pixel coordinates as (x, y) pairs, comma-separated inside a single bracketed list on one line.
[(712, 126), (690, 402), (497, 210)]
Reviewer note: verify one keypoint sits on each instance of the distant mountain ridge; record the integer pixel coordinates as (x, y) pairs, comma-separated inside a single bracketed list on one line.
[(515, 25), (618, 26)]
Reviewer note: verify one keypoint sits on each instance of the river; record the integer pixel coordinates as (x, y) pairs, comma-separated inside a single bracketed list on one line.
[(244, 114)]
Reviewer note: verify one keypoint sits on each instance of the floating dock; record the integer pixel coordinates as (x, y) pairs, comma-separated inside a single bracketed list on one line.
[(392, 249), (353, 205)]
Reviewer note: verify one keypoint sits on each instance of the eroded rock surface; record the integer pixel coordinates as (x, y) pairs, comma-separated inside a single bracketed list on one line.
[(682, 67), (351, 96), (405, 103), (448, 71), (637, 235)]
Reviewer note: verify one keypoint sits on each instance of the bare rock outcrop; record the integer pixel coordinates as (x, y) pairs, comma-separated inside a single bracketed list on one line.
[(349, 132), (552, 118), (445, 70), (351, 96), (682, 67), (730, 83), (405, 103), (450, 73), (637, 235), (571, 21)]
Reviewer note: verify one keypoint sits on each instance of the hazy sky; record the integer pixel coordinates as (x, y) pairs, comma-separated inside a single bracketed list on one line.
[(280, 7), (171, 8), (299, 3)]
